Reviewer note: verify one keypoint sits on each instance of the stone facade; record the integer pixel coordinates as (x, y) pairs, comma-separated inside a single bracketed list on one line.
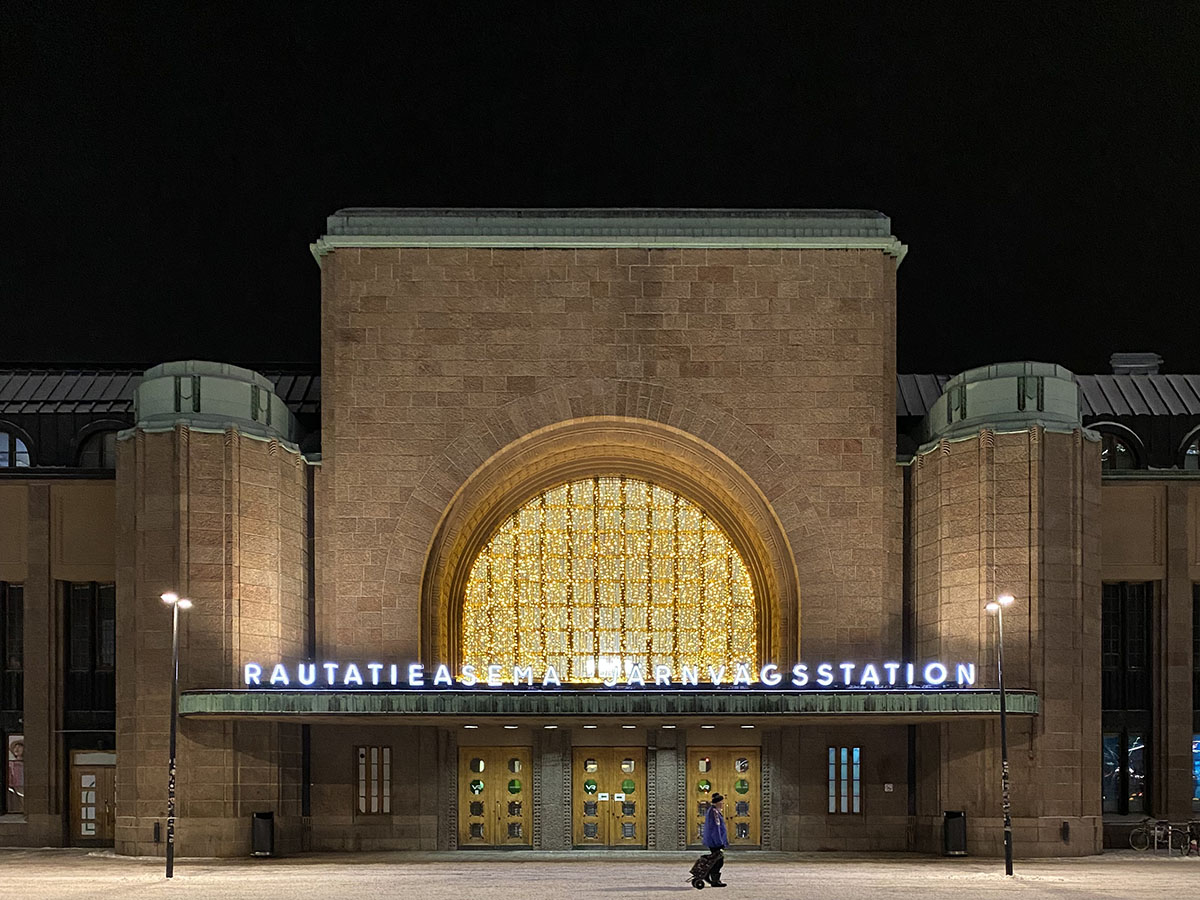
[(217, 517), (1013, 513), (472, 359), (436, 360)]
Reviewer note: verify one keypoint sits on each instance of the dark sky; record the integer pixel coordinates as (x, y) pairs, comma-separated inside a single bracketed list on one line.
[(164, 166)]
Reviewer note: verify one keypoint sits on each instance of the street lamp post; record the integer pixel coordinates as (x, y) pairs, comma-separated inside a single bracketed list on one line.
[(997, 607), (176, 603)]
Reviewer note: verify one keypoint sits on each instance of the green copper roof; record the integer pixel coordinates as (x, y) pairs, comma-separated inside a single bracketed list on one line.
[(436, 704), (588, 228)]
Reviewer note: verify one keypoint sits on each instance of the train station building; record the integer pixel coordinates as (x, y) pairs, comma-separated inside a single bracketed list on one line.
[(585, 516)]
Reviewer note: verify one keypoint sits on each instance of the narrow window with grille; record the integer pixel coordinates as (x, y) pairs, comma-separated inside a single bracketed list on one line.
[(374, 780), (845, 781)]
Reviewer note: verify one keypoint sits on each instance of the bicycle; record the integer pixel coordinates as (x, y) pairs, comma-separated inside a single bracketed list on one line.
[(1159, 833)]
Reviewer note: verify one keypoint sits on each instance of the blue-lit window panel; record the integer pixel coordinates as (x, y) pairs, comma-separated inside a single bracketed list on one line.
[(1138, 783), (845, 780), (845, 800), (1195, 772), (832, 780)]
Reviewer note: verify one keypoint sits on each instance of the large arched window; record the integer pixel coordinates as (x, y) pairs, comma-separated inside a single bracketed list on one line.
[(99, 450), (13, 451), (595, 576), (1116, 453)]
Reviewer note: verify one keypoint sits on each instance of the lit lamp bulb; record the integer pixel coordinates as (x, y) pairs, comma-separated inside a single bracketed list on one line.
[(170, 597)]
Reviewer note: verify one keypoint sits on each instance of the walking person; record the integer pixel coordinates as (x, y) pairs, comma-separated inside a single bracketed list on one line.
[(715, 838)]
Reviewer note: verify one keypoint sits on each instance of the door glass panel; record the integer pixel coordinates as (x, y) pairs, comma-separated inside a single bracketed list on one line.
[(514, 807), (589, 808), (515, 830), (591, 829), (627, 765), (628, 786), (743, 829), (590, 765), (628, 830), (741, 764), (742, 808), (514, 786), (477, 765), (704, 786), (704, 764), (514, 765), (477, 830), (476, 808), (590, 786), (628, 809), (476, 785)]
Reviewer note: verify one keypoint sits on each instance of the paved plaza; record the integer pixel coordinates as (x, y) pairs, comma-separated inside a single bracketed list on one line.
[(76, 875)]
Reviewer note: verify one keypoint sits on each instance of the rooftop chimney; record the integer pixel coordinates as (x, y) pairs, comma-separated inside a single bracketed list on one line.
[(1135, 363)]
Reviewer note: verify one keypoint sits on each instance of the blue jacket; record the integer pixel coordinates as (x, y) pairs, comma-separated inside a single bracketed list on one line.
[(714, 834)]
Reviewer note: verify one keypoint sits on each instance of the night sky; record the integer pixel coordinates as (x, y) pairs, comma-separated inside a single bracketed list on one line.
[(163, 167)]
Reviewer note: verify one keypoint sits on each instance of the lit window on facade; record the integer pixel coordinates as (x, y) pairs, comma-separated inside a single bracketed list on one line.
[(1191, 456), (13, 451), (1116, 453), (601, 574)]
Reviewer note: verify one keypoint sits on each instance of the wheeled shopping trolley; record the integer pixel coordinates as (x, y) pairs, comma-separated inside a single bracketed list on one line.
[(700, 870)]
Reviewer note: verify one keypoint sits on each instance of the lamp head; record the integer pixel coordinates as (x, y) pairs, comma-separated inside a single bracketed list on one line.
[(993, 607), (185, 604), (170, 597), (1005, 599)]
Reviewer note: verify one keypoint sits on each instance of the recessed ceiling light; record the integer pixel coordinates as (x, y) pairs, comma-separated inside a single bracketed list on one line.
[(549, 726), (708, 726), (589, 726), (510, 727), (668, 726), (470, 726), (629, 726), (747, 726)]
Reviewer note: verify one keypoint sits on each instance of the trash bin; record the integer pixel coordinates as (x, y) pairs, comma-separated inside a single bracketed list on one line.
[(954, 832), (262, 834)]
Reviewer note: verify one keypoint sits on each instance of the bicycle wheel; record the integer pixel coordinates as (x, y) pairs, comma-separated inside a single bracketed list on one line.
[(1139, 838), (1180, 840)]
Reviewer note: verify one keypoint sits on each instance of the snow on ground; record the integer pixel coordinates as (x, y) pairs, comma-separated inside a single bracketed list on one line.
[(79, 875)]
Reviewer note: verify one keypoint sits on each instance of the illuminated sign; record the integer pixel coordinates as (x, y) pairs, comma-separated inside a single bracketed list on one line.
[(801, 676)]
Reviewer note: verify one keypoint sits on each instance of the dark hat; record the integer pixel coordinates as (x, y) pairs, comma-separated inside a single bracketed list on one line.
[(717, 798)]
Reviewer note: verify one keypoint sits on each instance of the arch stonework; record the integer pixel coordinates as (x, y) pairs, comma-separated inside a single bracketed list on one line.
[(591, 426)]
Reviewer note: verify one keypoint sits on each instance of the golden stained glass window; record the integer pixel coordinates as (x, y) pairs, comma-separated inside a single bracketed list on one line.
[(600, 574)]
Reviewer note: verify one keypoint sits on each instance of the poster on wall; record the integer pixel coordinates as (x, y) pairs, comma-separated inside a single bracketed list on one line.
[(14, 774)]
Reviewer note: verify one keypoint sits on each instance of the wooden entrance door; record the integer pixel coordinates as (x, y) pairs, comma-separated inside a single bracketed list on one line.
[(93, 796), (609, 797), (732, 772), (495, 790)]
